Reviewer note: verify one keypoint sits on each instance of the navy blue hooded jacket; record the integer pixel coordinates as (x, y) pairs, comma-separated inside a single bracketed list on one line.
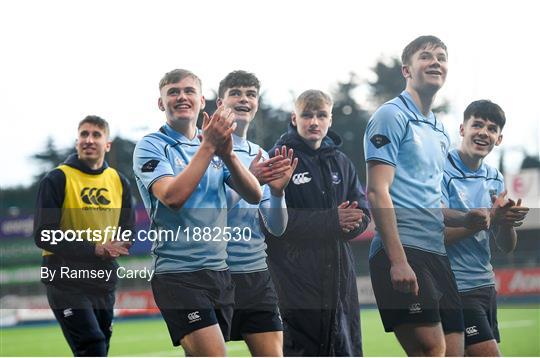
[(312, 264)]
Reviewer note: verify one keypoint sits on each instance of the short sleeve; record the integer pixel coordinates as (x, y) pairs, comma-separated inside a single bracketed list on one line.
[(226, 174), (265, 193), (385, 131), (265, 188), (150, 162), (501, 183)]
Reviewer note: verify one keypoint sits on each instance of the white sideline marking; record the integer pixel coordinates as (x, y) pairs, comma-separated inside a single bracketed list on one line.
[(513, 324)]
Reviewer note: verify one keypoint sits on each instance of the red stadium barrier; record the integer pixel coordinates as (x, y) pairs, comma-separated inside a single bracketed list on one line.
[(522, 282), (131, 303)]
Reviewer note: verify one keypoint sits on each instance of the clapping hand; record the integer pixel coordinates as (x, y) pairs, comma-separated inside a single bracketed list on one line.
[(506, 212), (350, 216)]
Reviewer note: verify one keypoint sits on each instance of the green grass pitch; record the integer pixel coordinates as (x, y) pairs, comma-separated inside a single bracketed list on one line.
[(519, 327)]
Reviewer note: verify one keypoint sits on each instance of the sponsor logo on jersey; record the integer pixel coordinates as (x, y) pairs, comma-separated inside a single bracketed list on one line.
[(301, 178), (194, 317), (471, 331), (95, 196), (68, 312), (415, 308)]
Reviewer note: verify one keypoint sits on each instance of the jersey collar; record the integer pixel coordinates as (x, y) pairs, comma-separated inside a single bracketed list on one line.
[(413, 108), (454, 154), (179, 137)]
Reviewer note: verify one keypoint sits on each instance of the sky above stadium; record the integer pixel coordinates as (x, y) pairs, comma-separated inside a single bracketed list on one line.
[(62, 60)]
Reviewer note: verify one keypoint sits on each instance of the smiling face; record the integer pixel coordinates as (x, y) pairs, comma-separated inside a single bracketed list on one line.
[(244, 102), (426, 70), (480, 136), (92, 144), (181, 101)]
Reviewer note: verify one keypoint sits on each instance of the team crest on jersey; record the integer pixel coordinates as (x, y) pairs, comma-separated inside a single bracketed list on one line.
[(492, 192), (443, 147), (216, 162), (336, 179), (179, 162)]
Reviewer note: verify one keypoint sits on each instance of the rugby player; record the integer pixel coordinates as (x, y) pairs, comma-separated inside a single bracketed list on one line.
[(406, 147), (469, 183), (256, 318), (181, 172)]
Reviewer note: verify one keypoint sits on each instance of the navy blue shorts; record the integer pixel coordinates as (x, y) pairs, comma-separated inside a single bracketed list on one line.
[(480, 315), (438, 298), (85, 318), (193, 300), (256, 305)]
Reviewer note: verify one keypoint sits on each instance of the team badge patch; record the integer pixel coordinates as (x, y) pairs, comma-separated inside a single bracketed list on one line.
[(216, 162), (336, 178), (150, 166), (379, 140)]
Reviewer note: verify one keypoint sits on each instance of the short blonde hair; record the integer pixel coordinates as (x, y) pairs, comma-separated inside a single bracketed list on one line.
[(312, 99), (178, 75)]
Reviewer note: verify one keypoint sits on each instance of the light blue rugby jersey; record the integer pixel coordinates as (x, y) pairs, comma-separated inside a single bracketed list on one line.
[(167, 153), (246, 255), (399, 135), (464, 189)]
